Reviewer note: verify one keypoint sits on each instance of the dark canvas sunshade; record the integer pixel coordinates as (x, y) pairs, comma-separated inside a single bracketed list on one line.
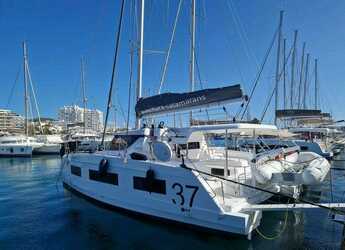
[(297, 113), (177, 102)]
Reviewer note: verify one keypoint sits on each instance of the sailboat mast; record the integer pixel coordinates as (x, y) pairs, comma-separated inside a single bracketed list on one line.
[(192, 55), (305, 82), (278, 63), (82, 79), (301, 77), (316, 83), (284, 72), (26, 94), (140, 58), (293, 62)]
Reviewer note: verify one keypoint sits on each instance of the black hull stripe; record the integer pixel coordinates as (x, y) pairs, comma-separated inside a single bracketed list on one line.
[(156, 219)]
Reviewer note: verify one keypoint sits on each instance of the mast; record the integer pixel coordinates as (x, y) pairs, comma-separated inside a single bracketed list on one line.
[(316, 83), (140, 58), (305, 82), (293, 68), (26, 94), (301, 77), (278, 63), (192, 55), (284, 71), (82, 81)]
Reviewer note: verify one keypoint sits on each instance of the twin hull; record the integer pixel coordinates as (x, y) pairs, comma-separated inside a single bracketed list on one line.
[(176, 195)]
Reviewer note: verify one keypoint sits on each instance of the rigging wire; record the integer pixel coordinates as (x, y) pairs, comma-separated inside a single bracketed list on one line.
[(129, 90), (170, 46), (260, 72), (35, 99), (241, 30), (274, 89), (200, 81), (32, 116), (122, 111), (113, 70), (13, 87)]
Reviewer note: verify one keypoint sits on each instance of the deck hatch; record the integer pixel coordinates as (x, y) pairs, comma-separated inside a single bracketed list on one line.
[(144, 184), (110, 178), (75, 170)]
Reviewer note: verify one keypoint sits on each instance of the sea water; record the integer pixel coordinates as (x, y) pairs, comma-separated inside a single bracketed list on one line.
[(36, 212)]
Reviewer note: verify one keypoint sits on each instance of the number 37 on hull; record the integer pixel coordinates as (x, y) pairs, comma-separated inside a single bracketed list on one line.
[(164, 191)]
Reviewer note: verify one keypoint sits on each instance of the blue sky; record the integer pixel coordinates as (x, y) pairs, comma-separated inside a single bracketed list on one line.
[(58, 33)]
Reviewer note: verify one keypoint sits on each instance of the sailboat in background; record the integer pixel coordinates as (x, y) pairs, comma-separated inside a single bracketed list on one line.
[(21, 145), (81, 137)]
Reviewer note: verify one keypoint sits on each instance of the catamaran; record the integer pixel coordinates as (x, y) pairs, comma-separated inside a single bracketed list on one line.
[(174, 174)]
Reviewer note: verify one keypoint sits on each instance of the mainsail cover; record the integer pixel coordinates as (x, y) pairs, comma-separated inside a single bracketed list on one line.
[(298, 113), (177, 102)]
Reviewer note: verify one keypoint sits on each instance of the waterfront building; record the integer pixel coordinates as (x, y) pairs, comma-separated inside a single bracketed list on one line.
[(11, 122), (74, 115)]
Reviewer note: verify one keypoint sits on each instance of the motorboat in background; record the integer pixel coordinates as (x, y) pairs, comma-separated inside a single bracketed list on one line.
[(85, 141), (297, 168), (51, 144), (317, 140), (18, 146)]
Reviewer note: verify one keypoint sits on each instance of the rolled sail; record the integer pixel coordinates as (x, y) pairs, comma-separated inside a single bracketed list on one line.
[(298, 113), (177, 102)]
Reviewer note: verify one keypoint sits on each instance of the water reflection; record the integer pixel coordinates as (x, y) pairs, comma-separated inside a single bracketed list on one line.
[(37, 213)]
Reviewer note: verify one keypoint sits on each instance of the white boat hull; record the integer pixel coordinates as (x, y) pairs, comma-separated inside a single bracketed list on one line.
[(15, 150), (185, 198), (47, 149)]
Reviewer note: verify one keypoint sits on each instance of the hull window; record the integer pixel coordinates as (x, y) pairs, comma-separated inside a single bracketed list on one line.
[(149, 185), (218, 171), (76, 170), (191, 145), (110, 178)]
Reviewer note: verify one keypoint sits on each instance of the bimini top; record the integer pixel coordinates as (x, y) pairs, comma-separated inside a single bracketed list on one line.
[(177, 102), (242, 129)]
